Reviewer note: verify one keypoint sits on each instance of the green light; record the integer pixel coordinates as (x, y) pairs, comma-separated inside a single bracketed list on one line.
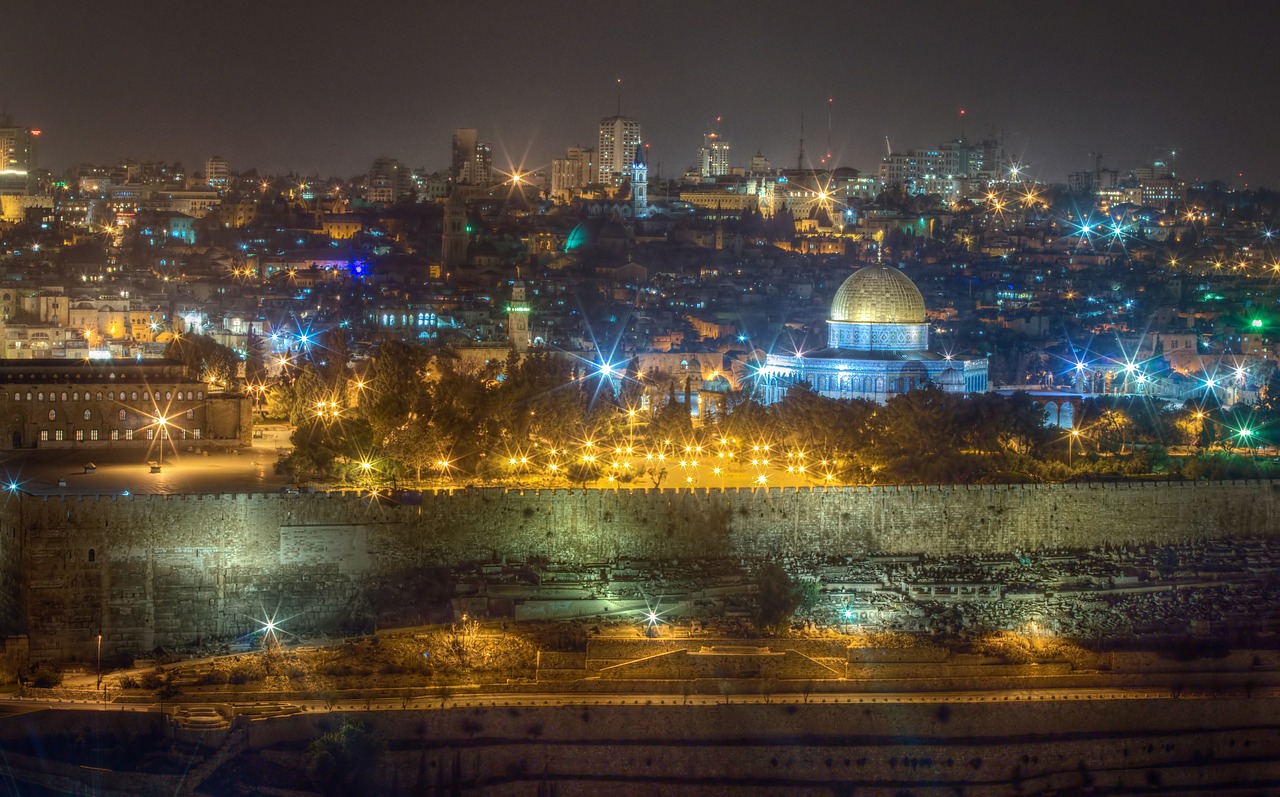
[(1256, 323)]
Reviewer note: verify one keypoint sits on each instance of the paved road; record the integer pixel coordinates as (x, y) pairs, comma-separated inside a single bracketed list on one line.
[(16, 704)]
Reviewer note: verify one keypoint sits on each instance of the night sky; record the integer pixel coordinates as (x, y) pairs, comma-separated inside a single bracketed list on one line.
[(324, 88)]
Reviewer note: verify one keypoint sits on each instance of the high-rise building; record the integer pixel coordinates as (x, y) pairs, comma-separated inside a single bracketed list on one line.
[(713, 156), (472, 162), (17, 158), (388, 181), (464, 152), (619, 138), (217, 172), (950, 170), (576, 170)]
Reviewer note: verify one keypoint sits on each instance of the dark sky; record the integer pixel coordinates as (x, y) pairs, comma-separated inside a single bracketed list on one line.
[(323, 87)]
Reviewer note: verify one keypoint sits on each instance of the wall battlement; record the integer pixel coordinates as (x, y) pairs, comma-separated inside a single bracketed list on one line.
[(152, 570)]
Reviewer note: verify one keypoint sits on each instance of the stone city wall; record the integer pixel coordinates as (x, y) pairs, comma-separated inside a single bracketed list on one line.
[(151, 570)]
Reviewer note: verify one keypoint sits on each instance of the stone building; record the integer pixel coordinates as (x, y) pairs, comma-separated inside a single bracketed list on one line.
[(112, 403), (877, 347)]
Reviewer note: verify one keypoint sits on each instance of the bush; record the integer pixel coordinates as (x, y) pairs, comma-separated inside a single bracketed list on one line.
[(45, 676), (215, 677), (152, 680)]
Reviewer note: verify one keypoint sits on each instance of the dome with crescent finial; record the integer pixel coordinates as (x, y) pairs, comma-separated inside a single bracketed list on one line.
[(878, 295)]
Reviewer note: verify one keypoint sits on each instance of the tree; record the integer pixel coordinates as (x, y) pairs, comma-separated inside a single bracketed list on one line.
[(777, 598), (341, 761), (214, 362)]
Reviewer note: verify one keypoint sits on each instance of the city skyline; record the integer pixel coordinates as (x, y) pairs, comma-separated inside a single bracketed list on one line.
[(319, 93)]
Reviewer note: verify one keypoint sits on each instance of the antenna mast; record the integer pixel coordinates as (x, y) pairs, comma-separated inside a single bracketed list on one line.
[(800, 162)]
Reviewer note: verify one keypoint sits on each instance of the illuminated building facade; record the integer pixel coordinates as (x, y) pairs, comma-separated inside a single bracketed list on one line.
[(217, 172), (17, 158), (619, 140), (103, 404), (877, 347), (472, 162)]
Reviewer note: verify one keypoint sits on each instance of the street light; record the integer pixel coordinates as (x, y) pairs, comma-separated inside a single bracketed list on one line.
[(99, 661)]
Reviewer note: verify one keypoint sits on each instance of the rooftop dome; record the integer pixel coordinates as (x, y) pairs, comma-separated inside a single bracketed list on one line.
[(878, 295)]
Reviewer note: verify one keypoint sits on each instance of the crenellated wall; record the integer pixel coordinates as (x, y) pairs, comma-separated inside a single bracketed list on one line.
[(151, 570)]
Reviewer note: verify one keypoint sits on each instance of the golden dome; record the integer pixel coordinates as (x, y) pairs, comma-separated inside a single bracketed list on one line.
[(878, 295)]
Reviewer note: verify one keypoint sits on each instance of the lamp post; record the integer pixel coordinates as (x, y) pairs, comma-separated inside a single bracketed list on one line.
[(1075, 434), (99, 661)]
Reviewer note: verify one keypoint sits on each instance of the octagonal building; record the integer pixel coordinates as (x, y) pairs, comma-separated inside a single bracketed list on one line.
[(877, 346)]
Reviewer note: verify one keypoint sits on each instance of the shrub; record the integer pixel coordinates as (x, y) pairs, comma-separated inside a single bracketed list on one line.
[(45, 676)]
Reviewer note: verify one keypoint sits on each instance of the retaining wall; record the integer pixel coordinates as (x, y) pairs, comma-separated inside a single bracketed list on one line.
[(151, 570)]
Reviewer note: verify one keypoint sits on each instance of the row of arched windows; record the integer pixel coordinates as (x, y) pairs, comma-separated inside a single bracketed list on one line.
[(169, 395)]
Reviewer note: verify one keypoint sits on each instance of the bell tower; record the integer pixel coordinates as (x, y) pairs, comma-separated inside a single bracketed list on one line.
[(639, 185), (518, 317)]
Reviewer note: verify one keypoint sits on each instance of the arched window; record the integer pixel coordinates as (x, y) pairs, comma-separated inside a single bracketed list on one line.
[(191, 415), (111, 396), (87, 415), (92, 555), (99, 395), (122, 415), (168, 395), (40, 396), (64, 395), (76, 396), (146, 396), (28, 395), (199, 395), (133, 396), (53, 415)]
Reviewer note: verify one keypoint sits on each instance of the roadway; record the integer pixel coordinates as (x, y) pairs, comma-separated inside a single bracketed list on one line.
[(16, 704)]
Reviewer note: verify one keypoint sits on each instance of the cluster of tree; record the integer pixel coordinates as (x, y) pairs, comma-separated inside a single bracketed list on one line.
[(419, 413), (214, 362)]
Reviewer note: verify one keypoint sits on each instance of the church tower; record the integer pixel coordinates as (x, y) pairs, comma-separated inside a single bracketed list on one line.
[(455, 236), (639, 185), (518, 317)]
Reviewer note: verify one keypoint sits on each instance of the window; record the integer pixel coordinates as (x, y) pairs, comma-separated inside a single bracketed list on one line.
[(44, 434), (76, 396), (111, 396), (53, 415), (28, 395), (191, 415), (40, 396), (64, 396), (134, 396), (190, 395), (168, 395), (87, 415), (57, 434), (128, 434), (99, 395), (92, 554), (151, 434), (122, 415), (115, 434), (79, 435), (164, 434), (93, 434), (199, 395), (195, 433), (146, 396)]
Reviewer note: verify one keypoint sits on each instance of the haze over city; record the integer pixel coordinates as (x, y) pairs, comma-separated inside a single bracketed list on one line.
[(316, 88), (697, 399)]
